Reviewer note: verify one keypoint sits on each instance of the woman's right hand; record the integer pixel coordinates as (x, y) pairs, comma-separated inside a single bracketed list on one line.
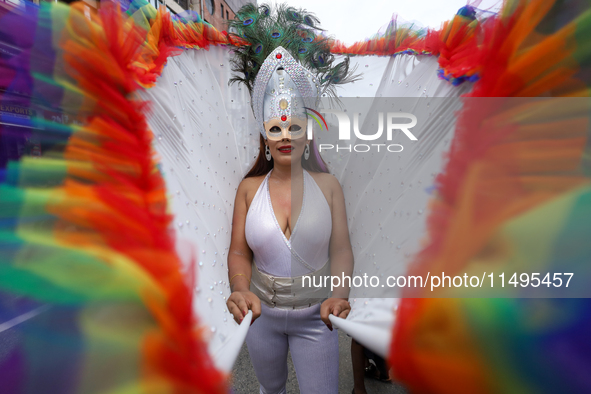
[(240, 302)]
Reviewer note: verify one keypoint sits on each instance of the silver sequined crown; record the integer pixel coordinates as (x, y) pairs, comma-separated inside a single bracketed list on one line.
[(282, 88)]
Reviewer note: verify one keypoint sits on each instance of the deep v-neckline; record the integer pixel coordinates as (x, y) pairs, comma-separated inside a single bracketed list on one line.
[(287, 240)]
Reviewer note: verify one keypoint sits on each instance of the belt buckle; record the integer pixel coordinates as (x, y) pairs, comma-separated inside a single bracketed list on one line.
[(274, 292)]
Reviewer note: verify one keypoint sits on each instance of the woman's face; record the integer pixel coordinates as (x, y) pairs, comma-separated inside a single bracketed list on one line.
[(286, 144)]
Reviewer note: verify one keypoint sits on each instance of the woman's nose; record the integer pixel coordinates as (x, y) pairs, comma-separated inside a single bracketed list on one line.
[(285, 133)]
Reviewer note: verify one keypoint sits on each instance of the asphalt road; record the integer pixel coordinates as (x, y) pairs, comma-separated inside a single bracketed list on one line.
[(245, 381)]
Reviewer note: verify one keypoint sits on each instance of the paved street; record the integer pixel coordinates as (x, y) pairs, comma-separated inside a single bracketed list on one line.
[(245, 381)]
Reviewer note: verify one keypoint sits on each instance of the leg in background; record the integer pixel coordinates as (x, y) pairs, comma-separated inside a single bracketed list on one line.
[(358, 360)]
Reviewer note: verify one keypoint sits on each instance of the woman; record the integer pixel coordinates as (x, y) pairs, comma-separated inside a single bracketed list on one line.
[(289, 213), (314, 348)]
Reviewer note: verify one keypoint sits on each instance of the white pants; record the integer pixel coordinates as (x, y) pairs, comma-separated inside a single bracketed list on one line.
[(314, 350)]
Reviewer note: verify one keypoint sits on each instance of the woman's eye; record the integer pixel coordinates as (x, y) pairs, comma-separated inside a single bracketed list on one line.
[(275, 129), (294, 127)]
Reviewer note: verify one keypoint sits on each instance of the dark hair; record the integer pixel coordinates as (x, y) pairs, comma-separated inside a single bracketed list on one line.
[(262, 167)]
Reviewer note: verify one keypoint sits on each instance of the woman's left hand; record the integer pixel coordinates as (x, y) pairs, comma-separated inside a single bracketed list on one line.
[(339, 307)]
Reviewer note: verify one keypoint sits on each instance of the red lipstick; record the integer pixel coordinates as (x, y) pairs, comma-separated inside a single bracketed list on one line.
[(285, 148)]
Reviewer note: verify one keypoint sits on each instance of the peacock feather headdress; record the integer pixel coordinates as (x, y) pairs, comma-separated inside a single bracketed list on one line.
[(287, 39)]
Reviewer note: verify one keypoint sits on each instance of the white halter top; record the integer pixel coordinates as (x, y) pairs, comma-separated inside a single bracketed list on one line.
[(307, 249)]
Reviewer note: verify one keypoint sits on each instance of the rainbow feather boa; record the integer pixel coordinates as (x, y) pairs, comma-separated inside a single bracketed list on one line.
[(85, 239)]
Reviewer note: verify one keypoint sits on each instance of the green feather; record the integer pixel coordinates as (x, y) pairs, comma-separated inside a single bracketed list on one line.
[(294, 29)]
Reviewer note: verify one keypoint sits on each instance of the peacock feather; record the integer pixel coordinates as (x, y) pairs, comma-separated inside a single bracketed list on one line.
[(296, 30)]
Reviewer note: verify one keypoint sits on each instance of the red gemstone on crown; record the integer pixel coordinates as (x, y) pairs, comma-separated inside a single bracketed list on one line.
[(279, 56), (283, 118)]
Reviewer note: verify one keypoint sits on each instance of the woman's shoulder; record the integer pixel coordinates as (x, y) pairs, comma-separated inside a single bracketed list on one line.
[(328, 184), (325, 180), (251, 182), (248, 187)]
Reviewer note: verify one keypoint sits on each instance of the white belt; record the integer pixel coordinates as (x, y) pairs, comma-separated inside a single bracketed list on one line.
[(289, 292)]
